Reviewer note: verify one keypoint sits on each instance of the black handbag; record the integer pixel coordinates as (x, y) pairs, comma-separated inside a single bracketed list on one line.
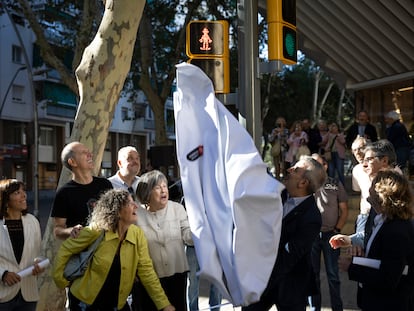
[(77, 264)]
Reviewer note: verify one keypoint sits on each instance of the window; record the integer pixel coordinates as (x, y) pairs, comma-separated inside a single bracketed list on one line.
[(124, 139), (108, 143), (19, 20), (17, 93), (46, 136), (18, 135), (17, 54), (124, 114), (149, 113)]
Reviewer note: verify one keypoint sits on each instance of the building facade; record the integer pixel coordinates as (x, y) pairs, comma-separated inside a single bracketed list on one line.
[(33, 96)]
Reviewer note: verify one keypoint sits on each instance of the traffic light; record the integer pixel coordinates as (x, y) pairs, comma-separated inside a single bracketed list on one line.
[(207, 46), (216, 69), (282, 42)]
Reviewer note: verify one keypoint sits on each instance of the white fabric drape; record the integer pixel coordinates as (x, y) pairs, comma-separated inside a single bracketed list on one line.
[(233, 204)]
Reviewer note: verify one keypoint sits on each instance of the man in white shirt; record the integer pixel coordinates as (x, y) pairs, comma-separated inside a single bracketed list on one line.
[(361, 181), (129, 165)]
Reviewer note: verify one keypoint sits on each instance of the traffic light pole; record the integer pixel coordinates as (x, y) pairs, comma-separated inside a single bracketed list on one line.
[(249, 77)]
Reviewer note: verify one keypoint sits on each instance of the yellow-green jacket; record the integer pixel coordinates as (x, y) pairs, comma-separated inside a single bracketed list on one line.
[(134, 258)]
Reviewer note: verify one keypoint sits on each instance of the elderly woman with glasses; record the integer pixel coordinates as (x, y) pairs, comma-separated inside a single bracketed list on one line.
[(167, 229), (118, 260)]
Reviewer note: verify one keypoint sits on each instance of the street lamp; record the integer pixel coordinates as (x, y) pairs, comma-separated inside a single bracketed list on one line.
[(35, 177), (9, 87)]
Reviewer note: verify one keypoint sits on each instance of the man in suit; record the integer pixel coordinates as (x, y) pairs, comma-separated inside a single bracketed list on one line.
[(293, 279), (362, 128)]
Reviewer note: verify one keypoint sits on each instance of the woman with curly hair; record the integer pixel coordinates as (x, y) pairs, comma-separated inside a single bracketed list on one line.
[(118, 260), (391, 285)]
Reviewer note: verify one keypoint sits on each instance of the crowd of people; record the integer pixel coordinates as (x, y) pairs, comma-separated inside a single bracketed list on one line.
[(147, 252), (329, 140)]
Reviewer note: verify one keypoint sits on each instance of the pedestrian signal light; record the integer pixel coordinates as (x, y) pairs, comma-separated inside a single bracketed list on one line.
[(207, 39), (207, 46), (282, 41), (217, 69)]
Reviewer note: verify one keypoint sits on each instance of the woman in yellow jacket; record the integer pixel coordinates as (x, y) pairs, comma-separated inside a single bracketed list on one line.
[(118, 260)]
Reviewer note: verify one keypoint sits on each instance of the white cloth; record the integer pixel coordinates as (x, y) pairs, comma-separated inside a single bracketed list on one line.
[(233, 204), (31, 250)]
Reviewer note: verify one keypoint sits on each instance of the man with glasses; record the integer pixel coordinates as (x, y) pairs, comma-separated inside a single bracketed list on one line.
[(293, 279), (378, 155)]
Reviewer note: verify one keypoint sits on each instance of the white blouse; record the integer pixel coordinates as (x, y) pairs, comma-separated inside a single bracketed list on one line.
[(167, 231)]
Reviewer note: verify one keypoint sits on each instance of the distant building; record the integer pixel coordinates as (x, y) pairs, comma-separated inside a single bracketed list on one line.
[(133, 122)]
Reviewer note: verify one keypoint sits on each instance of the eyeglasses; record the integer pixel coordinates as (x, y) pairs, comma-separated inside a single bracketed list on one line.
[(370, 159), (360, 149)]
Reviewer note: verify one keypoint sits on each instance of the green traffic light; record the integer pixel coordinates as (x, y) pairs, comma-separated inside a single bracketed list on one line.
[(289, 44)]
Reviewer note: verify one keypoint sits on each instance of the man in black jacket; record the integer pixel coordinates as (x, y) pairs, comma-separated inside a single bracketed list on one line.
[(293, 279), (362, 128)]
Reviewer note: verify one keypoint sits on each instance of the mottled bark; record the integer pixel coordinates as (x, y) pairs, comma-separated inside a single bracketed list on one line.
[(101, 76), (102, 72)]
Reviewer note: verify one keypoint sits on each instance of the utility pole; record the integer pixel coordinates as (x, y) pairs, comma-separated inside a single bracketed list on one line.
[(249, 77), (9, 87), (35, 177)]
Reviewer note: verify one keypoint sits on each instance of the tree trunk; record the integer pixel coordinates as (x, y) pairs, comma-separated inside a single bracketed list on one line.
[(148, 81), (325, 97), (101, 76), (147, 75)]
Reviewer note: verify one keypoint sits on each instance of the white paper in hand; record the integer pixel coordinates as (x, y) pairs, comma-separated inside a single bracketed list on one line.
[(28, 271)]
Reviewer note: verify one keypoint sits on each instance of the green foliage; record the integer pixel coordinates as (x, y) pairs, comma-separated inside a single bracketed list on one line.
[(167, 21), (292, 94)]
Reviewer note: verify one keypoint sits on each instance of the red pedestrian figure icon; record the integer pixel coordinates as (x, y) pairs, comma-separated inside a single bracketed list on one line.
[(205, 40)]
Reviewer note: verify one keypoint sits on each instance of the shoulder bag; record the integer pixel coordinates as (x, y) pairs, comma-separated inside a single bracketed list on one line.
[(77, 264), (328, 155)]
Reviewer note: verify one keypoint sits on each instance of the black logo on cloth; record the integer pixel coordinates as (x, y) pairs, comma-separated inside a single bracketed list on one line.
[(195, 153)]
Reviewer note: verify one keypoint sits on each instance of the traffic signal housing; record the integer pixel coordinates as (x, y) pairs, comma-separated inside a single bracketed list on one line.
[(207, 46), (282, 41)]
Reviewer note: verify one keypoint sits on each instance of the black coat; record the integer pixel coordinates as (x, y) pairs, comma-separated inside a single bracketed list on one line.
[(386, 288), (370, 133), (293, 277)]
